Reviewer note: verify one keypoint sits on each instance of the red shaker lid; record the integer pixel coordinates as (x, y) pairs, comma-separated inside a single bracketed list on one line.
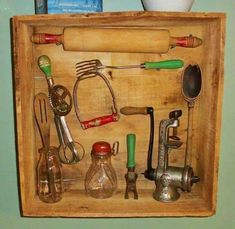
[(101, 148)]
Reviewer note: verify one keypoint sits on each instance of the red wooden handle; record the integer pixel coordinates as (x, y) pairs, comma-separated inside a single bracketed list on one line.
[(45, 38), (99, 121), (186, 42)]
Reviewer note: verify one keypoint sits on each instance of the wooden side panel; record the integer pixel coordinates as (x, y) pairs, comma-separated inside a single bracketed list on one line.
[(24, 91)]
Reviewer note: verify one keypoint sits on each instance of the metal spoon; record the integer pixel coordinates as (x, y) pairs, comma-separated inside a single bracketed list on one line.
[(191, 88)]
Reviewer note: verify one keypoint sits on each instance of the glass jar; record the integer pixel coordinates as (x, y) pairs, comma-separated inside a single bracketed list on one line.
[(49, 176), (101, 179)]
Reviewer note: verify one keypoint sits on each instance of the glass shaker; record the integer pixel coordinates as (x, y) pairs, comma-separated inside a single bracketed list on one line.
[(101, 179), (49, 176)]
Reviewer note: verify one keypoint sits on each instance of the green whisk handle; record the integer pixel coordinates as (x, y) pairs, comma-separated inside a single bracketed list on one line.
[(44, 64), (166, 64)]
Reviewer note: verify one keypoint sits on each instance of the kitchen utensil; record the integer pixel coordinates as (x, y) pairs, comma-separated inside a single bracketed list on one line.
[(116, 40), (131, 175), (169, 179), (168, 5), (43, 117), (191, 88), (149, 172), (85, 73), (48, 169), (61, 103), (92, 66), (101, 179)]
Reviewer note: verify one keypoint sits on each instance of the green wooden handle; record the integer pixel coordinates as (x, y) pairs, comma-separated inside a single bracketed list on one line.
[(166, 64), (44, 64), (131, 140)]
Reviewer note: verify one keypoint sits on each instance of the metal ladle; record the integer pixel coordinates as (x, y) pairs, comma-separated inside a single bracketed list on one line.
[(191, 88)]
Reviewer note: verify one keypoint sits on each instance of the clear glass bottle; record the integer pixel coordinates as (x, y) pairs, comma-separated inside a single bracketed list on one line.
[(101, 179), (49, 176)]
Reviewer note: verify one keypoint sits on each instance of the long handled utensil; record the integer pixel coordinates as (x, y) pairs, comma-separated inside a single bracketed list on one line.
[(92, 66), (61, 103), (191, 88), (43, 117), (149, 172), (131, 175)]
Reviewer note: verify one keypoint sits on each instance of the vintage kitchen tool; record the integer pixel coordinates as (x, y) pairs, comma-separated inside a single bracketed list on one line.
[(85, 73), (116, 40), (169, 179), (61, 103), (48, 170), (101, 179), (131, 175), (149, 172), (95, 65), (43, 117), (191, 88)]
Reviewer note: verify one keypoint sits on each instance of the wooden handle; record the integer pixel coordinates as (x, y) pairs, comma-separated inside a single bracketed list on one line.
[(131, 141), (186, 42), (100, 121), (46, 38), (44, 64), (134, 110)]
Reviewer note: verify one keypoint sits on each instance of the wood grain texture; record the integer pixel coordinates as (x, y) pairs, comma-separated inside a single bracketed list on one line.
[(132, 87)]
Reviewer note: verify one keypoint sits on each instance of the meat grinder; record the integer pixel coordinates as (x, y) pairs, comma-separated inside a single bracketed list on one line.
[(169, 179)]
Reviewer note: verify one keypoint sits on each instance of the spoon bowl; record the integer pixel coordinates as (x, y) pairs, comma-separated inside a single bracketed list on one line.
[(191, 83)]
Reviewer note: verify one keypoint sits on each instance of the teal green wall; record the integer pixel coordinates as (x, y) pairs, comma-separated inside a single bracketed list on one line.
[(9, 203)]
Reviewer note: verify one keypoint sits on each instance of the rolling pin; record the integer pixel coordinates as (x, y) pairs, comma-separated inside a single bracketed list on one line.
[(116, 40)]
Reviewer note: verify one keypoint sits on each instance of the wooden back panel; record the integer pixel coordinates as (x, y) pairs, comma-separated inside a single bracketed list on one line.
[(133, 87)]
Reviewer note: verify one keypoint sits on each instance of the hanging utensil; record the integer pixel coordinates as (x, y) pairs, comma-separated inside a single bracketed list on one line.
[(61, 103), (131, 175), (48, 156), (149, 172), (83, 74), (95, 65), (191, 88), (116, 39), (43, 117)]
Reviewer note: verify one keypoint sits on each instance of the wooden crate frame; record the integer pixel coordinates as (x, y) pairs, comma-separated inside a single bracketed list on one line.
[(28, 80)]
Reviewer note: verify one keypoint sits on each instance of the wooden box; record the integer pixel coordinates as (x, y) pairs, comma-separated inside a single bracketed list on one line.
[(133, 87)]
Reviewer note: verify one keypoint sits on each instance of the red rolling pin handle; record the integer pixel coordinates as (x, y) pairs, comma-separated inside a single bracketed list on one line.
[(186, 42), (99, 121), (46, 38)]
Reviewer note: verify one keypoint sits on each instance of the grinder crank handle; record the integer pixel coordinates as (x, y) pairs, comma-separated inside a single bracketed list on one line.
[(131, 141), (149, 172), (166, 64), (134, 110)]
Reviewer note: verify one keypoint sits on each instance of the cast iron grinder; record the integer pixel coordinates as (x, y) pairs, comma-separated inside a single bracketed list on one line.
[(170, 179)]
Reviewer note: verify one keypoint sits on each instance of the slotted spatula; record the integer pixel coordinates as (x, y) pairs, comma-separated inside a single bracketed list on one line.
[(43, 117), (42, 111)]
